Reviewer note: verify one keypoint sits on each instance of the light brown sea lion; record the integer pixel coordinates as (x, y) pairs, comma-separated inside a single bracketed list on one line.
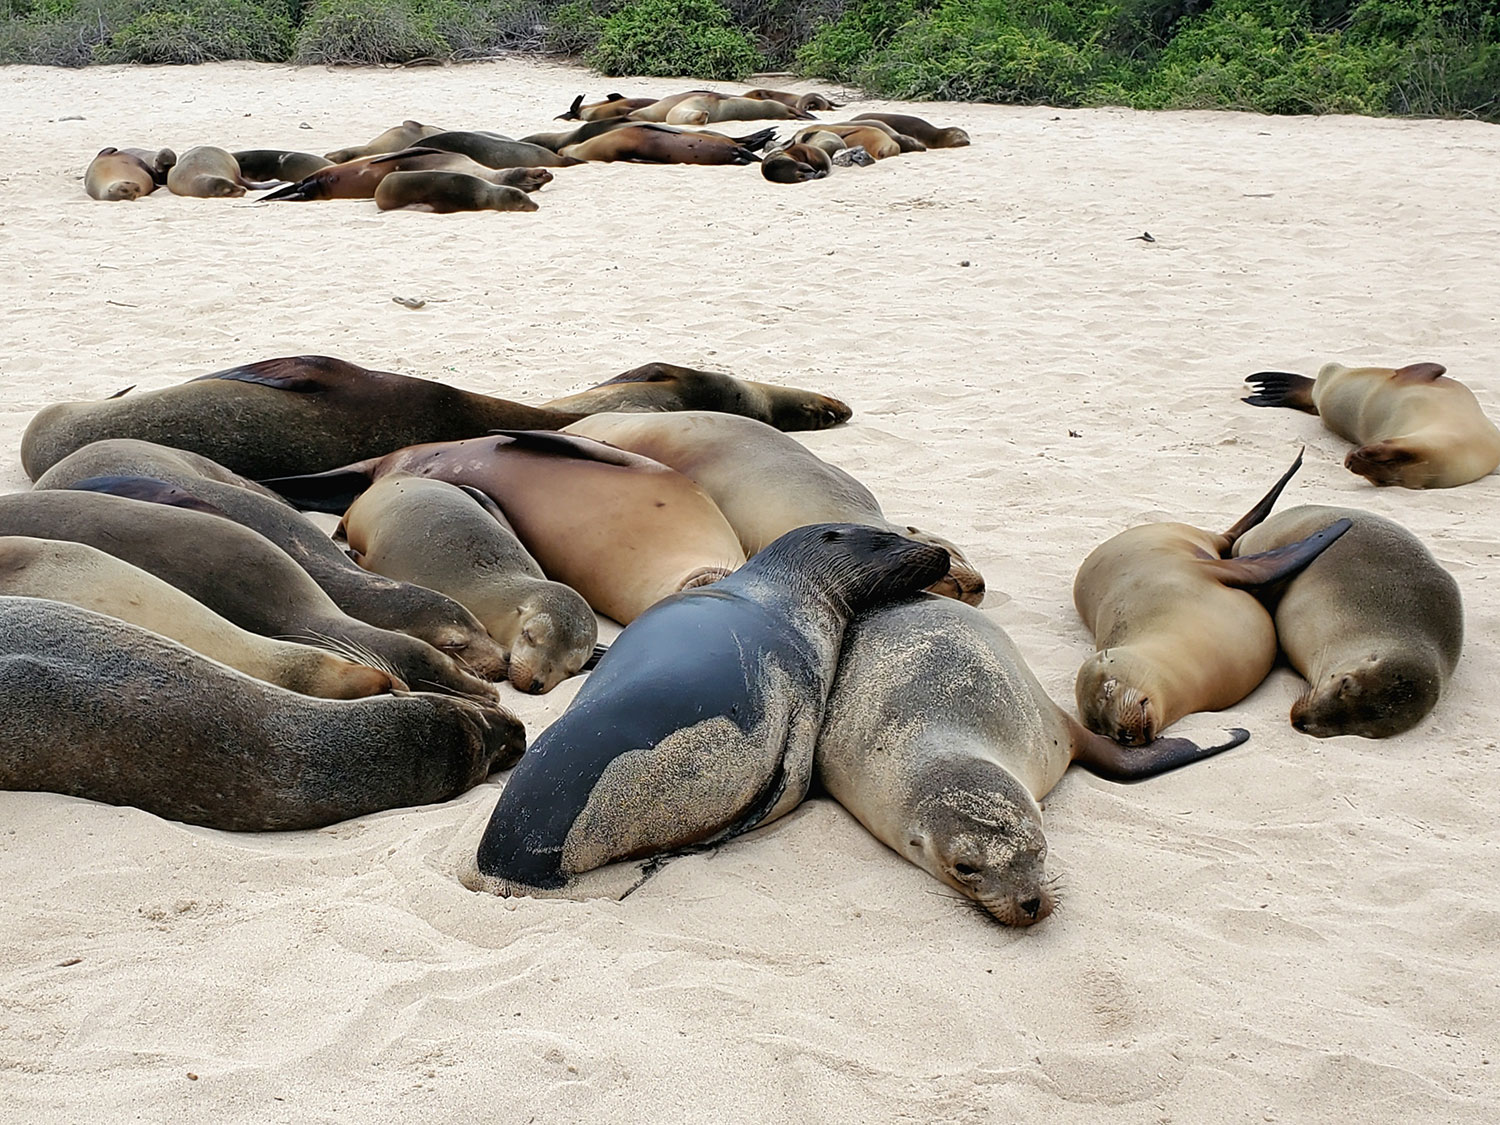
[(91, 579), (805, 102), (764, 482), (929, 134), (664, 144), (495, 151), (796, 164), (446, 192), (709, 108), (663, 386), (939, 739), (281, 165), (871, 136), (237, 573), (1414, 426), (206, 172), (613, 106), (107, 466), (94, 707), (117, 174), (622, 530), (360, 179), (394, 139), (657, 111), (278, 417), (1374, 624), (1177, 630), (457, 540)]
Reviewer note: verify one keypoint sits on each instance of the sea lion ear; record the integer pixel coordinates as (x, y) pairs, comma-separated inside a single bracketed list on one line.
[(1420, 372)]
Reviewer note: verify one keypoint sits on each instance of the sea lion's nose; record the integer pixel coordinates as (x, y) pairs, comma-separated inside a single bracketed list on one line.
[(1031, 906)]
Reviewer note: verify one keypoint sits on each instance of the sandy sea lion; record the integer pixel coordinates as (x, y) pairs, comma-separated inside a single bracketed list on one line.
[(237, 573), (130, 173), (1374, 624), (372, 598), (707, 109), (495, 151), (91, 579), (764, 482), (278, 417), (663, 144), (456, 540), (622, 530), (657, 110), (664, 386), (805, 102), (613, 106), (394, 139), (830, 143), (1176, 628), (94, 707), (1414, 426), (361, 178), (700, 722), (871, 136), (929, 134), (940, 741), (557, 141), (443, 193), (206, 172), (796, 164), (278, 164)]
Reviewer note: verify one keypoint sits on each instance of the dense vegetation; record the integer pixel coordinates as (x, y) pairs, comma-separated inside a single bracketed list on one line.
[(1279, 56)]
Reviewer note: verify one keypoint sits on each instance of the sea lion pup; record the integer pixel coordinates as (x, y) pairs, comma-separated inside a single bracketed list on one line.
[(804, 102), (1375, 625), (613, 106), (764, 482), (940, 741), (664, 386), (457, 540), (278, 417), (394, 139), (84, 712), (129, 173), (281, 165), (495, 151), (115, 467), (83, 576), (359, 179), (446, 192), (929, 134), (1414, 426), (1177, 629), (663, 144), (206, 172), (699, 723), (796, 164), (622, 530), (240, 575)]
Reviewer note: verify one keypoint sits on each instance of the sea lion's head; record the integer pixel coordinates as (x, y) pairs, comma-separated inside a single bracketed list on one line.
[(1376, 696), (855, 566), (962, 582), (805, 410), (554, 639), (1113, 698)]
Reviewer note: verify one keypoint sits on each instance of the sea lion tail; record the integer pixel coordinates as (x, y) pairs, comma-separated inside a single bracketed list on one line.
[(1108, 759), (1256, 515), (756, 141), (292, 193), (330, 492), (1281, 388), (572, 114)]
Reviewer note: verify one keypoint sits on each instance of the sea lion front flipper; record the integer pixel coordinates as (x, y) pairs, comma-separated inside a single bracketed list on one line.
[(594, 657), (1274, 566), (1380, 462), (1263, 506), (330, 492), (415, 150), (149, 489), (1281, 388), (487, 502), (1416, 373), (1106, 758), (122, 394), (299, 374), (568, 445), (645, 373)]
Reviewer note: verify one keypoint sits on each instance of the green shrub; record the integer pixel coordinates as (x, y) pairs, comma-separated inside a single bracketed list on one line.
[(197, 31), (574, 28), (840, 49), (672, 37), (369, 31)]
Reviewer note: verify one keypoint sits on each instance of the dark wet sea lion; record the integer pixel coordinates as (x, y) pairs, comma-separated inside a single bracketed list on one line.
[(278, 164), (931, 135), (279, 417), (93, 707), (699, 723), (444, 193), (361, 178), (405, 135)]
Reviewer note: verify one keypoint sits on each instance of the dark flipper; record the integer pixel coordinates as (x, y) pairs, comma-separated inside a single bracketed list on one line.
[(568, 445), (572, 114), (122, 394), (649, 373), (1282, 563), (1281, 388), (149, 489), (756, 141), (1113, 762), (330, 492), (1263, 506), (303, 191), (595, 657), (303, 374)]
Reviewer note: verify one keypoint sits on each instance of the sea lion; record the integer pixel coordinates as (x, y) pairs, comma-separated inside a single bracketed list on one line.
[(931, 135), (457, 540), (657, 110), (664, 386), (1375, 625), (91, 579), (94, 707), (361, 178), (557, 141), (394, 139), (764, 482), (206, 172), (709, 108), (130, 173), (663, 144), (107, 466), (871, 136), (281, 416), (831, 143), (446, 192), (699, 723), (495, 151), (805, 102), (613, 106), (1413, 425), (1177, 629), (278, 164), (622, 530), (237, 573), (940, 741), (796, 164)]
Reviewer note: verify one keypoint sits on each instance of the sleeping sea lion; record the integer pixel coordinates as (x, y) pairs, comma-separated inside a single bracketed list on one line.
[(94, 707), (929, 134), (1414, 426), (394, 139), (805, 102), (130, 173), (664, 386), (709, 108), (699, 723), (613, 106), (495, 151), (278, 164), (1374, 624), (663, 144), (657, 110), (361, 178), (796, 164), (281, 416), (443, 193), (940, 741), (206, 172), (557, 141), (873, 137)]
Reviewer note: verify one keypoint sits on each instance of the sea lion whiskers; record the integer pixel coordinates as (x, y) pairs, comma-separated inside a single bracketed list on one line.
[(349, 650)]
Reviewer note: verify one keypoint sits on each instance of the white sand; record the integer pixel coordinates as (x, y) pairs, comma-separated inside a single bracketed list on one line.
[(1296, 931)]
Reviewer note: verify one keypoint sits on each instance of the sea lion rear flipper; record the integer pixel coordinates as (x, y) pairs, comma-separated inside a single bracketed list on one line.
[(1281, 388), (300, 192), (149, 489), (567, 445), (298, 373), (572, 114), (1263, 506), (756, 140), (330, 492), (1106, 758), (1274, 566)]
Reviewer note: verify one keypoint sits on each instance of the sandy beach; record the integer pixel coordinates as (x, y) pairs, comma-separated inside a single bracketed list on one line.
[(1297, 931)]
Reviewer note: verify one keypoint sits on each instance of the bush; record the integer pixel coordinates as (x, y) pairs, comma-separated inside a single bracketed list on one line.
[(839, 50), (672, 37), (197, 31), (574, 28), (371, 31)]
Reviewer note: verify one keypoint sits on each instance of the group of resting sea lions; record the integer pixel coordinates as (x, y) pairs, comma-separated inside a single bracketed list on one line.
[(423, 167), (178, 636)]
